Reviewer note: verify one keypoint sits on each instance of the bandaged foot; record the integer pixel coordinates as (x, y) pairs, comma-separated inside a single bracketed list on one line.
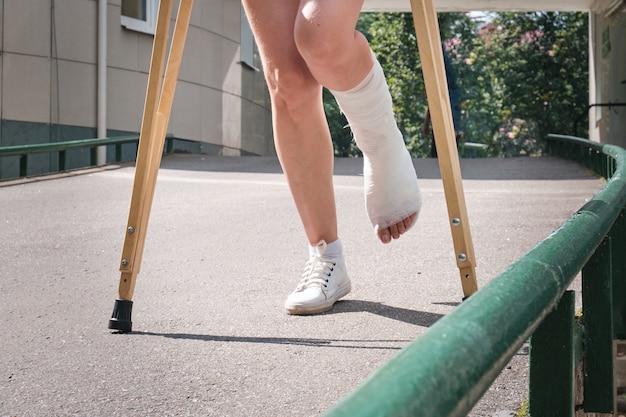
[(392, 195)]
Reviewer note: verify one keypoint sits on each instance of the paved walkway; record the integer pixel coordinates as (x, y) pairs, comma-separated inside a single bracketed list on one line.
[(224, 248)]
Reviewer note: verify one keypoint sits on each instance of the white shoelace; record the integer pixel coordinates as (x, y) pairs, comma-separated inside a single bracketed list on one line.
[(316, 273)]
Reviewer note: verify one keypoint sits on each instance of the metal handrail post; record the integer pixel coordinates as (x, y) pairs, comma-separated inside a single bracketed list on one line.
[(552, 362)]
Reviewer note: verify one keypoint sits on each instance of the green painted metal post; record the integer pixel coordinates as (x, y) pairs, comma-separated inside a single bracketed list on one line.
[(23, 165), (118, 152), (93, 156), (551, 380), (599, 389), (61, 160), (618, 250), (602, 167)]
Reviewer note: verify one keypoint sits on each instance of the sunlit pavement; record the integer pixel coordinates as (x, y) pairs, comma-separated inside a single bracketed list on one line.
[(224, 248)]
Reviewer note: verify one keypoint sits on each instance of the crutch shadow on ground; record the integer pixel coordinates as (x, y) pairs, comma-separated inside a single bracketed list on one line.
[(377, 344), (418, 318)]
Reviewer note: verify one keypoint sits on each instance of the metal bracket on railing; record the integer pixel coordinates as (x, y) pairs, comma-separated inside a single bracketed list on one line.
[(589, 107)]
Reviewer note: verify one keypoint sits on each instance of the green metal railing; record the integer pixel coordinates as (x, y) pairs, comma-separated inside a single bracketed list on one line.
[(23, 151), (446, 370)]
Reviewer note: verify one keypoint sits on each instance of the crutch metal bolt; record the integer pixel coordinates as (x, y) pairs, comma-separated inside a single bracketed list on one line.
[(157, 108)]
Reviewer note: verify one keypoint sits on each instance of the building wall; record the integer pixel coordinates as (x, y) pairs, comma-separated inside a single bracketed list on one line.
[(608, 123), (614, 71), (48, 78)]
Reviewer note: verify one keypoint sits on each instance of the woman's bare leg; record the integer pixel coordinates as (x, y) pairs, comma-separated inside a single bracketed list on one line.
[(301, 132), (305, 150), (340, 58), (306, 44)]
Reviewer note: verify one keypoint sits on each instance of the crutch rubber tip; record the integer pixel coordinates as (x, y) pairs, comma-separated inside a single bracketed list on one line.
[(120, 319)]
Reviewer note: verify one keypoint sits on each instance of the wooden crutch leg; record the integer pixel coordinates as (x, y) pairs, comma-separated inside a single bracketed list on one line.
[(431, 56), (158, 105)]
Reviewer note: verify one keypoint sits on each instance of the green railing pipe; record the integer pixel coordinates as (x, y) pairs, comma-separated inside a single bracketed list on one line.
[(64, 146), (447, 369), (61, 147)]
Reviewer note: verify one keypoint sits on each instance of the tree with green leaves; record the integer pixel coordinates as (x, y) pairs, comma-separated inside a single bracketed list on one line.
[(542, 61), (521, 75)]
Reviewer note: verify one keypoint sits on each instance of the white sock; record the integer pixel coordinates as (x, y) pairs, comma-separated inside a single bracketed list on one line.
[(391, 189), (334, 250)]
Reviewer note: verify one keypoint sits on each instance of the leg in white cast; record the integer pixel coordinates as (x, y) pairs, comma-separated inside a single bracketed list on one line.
[(391, 189)]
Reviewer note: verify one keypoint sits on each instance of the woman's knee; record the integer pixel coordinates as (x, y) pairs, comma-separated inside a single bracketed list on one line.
[(325, 28), (315, 41), (291, 87)]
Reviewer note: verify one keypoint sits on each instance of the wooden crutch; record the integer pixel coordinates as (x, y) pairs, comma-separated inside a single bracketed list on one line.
[(431, 56), (157, 109)]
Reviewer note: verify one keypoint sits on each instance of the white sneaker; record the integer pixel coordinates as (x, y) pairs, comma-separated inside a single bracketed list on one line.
[(323, 282)]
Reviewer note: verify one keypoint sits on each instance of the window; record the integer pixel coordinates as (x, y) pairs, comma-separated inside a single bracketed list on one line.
[(140, 15), (246, 53)]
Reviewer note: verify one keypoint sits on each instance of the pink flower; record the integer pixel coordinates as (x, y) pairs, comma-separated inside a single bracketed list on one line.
[(452, 43)]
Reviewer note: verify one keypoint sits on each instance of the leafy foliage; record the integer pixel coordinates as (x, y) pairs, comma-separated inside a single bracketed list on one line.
[(521, 76), (542, 60), (394, 43)]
